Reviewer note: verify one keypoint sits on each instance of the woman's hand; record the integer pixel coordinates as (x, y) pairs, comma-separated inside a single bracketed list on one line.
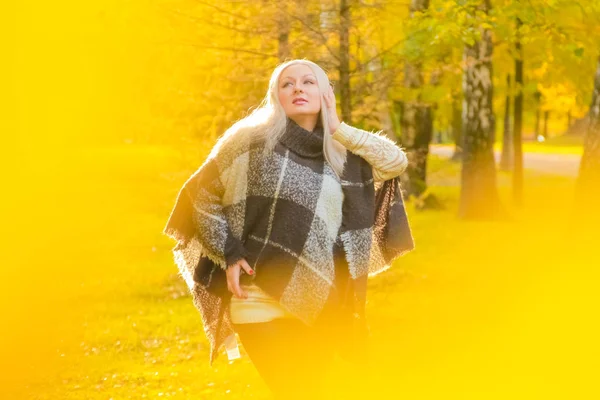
[(233, 278), (329, 104)]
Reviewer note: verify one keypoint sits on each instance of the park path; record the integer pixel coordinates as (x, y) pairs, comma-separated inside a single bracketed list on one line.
[(557, 164)]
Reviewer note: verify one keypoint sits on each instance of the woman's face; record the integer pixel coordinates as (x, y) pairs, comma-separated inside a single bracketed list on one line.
[(299, 92)]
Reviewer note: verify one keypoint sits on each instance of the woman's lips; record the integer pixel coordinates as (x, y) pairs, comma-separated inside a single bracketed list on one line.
[(300, 102)]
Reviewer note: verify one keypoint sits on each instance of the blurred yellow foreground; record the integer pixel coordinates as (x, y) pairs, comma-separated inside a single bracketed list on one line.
[(93, 309)]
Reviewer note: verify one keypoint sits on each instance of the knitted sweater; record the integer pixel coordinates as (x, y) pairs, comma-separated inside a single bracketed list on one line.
[(311, 236), (387, 161)]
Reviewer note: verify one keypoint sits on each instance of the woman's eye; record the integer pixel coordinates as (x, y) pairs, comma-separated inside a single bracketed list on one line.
[(288, 83)]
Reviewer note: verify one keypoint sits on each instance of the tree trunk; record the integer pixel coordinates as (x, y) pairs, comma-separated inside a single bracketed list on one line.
[(417, 124), (546, 115), (518, 122), (505, 158), (457, 126), (397, 113), (538, 98), (386, 113), (283, 32), (345, 99), (588, 181), (479, 195)]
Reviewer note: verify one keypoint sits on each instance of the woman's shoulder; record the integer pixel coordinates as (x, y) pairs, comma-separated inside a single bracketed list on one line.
[(234, 148), (233, 143)]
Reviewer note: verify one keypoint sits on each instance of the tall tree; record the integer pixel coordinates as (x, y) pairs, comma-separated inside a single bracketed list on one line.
[(344, 56), (479, 194), (456, 126), (505, 158), (416, 122), (283, 31), (546, 117), (588, 182), (538, 101), (518, 122)]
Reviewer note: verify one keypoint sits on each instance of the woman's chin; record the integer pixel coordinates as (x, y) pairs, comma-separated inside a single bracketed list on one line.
[(300, 112)]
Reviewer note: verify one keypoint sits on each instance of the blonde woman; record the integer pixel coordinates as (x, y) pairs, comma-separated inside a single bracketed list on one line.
[(280, 227)]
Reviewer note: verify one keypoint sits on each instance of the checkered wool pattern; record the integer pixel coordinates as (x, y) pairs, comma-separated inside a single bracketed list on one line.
[(283, 211)]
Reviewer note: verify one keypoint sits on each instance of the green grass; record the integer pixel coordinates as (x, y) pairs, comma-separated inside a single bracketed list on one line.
[(561, 144), (478, 310)]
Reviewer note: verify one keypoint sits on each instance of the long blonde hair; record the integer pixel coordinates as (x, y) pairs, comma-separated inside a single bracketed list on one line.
[(267, 122)]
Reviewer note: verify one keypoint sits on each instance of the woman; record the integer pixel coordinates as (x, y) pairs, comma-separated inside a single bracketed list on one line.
[(279, 229)]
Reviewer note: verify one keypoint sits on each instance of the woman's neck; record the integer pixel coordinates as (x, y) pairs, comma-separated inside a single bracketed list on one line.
[(302, 141), (308, 122)]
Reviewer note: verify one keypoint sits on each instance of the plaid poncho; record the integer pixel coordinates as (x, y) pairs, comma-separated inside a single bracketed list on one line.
[(286, 212)]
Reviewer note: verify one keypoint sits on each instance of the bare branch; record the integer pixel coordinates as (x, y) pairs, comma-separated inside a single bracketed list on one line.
[(378, 55), (256, 53), (219, 9), (208, 22), (315, 31)]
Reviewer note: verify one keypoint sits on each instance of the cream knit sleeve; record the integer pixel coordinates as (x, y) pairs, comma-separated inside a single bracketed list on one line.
[(387, 159)]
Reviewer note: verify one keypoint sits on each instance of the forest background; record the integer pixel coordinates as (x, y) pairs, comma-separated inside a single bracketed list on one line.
[(112, 104)]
